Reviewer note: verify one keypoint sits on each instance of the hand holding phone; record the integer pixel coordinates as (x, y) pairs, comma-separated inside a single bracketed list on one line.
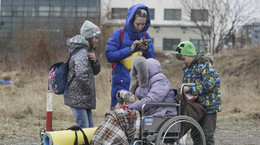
[(144, 42)]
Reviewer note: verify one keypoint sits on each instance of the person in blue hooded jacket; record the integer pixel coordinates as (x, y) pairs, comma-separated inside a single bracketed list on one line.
[(137, 23)]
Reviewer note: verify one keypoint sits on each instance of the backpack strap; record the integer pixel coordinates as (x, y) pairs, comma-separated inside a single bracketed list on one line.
[(120, 41), (76, 128), (122, 34)]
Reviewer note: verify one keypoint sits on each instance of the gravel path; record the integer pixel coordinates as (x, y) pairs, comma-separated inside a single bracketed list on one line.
[(238, 135), (226, 134)]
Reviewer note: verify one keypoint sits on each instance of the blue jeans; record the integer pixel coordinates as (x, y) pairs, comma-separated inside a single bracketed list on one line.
[(83, 117)]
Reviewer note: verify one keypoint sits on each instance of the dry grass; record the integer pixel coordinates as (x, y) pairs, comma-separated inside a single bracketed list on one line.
[(23, 103), (240, 74)]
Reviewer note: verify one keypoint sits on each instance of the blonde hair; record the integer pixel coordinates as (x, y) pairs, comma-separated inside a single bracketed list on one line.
[(141, 13)]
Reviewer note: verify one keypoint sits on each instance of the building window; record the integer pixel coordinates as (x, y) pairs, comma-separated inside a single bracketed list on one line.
[(6, 11), (151, 14), (70, 3), (44, 2), (55, 11), (172, 14), (81, 3), (18, 2), (92, 12), (199, 44), (6, 2), (29, 11), (29, 2), (119, 13), (69, 11), (170, 44), (199, 15), (82, 11), (44, 11), (17, 11), (7, 24)]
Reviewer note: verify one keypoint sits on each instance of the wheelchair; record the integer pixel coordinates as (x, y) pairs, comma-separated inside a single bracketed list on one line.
[(174, 130)]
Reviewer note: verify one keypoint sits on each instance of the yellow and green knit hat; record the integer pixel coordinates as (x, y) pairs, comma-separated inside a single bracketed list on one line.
[(186, 48)]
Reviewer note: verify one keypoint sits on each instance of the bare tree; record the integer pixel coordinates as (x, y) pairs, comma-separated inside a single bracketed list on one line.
[(217, 20)]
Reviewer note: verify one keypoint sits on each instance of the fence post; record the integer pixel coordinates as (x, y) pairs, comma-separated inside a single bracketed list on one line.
[(49, 110)]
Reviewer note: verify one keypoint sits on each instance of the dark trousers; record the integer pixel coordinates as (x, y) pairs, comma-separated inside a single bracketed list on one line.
[(208, 124)]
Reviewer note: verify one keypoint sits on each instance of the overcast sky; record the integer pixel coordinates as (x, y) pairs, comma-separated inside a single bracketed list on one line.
[(258, 9)]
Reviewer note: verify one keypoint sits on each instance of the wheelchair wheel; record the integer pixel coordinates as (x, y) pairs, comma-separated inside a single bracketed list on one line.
[(180, 130)]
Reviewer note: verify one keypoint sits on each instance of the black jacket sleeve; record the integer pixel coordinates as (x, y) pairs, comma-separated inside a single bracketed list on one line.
[(96, 67)]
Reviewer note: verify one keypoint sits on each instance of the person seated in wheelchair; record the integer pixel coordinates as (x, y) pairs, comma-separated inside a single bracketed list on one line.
[(122, 123), (149, 84)]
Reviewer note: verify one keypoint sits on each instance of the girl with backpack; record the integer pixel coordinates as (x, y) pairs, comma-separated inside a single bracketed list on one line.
[(81, 93)]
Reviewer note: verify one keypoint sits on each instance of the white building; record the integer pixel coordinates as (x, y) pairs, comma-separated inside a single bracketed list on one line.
[(255, 33), (169, 23)]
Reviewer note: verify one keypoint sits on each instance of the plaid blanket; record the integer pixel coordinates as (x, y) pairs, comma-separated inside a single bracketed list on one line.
[(119, 127)]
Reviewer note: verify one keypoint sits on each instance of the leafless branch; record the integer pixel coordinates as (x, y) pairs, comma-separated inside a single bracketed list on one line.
[(224, 17)]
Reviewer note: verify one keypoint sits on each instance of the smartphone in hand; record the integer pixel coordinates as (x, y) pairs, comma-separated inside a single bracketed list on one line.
[(144, 42)]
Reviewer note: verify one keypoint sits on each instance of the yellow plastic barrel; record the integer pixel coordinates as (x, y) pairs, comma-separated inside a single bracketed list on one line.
[(67, 137)]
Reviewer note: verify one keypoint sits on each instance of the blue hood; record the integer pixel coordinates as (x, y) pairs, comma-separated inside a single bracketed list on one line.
[(129, 21), (116, 50)]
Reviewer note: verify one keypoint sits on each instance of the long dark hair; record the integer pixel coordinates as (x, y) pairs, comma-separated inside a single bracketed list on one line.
[(91, 44)]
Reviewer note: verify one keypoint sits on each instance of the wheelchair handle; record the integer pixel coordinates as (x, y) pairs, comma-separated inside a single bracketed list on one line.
[(185, 84)]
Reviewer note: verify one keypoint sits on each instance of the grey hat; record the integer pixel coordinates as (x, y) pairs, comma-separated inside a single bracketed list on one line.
[(89, 30)]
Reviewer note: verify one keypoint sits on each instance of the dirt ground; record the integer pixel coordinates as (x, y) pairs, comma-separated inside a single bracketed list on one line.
[(227, 133), (238, 133)]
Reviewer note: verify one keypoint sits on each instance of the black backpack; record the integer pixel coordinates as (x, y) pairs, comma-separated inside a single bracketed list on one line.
[(58, 76)]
